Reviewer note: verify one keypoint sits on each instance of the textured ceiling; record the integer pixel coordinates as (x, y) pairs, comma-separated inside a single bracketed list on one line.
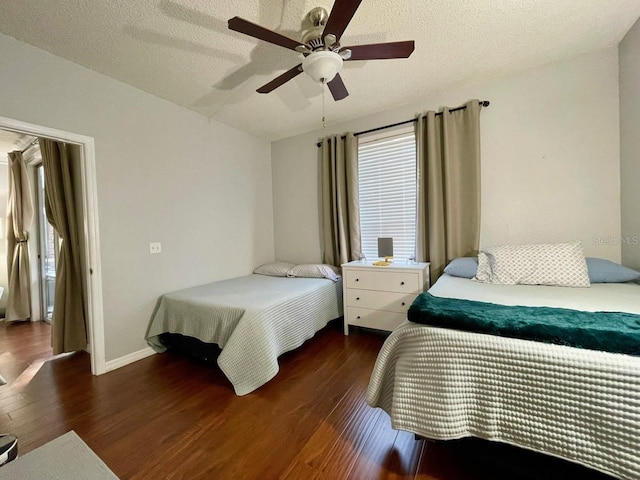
[(181, 50)]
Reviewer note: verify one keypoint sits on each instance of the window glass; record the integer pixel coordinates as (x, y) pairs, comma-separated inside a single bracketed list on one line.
[(388, 193)]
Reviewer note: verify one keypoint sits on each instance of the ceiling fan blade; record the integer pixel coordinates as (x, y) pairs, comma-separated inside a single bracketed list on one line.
[(338, 90), (381, 51), (340, 16), (284, 78), (244, 26)]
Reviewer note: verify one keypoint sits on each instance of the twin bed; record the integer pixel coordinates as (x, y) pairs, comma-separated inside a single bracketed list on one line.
[(253, 319), (575, 403)]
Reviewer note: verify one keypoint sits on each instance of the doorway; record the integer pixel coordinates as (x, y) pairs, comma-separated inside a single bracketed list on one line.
[(90, 239)]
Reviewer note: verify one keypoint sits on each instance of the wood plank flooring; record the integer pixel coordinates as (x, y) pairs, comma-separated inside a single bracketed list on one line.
[(170, 416)]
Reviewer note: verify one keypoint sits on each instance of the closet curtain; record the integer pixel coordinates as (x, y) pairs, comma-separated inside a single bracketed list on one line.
[(340, 206), (19, 218), (448, 148), (69, 330)]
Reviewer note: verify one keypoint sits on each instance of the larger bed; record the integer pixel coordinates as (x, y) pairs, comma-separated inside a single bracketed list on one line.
[(253, 319), (575, 403)]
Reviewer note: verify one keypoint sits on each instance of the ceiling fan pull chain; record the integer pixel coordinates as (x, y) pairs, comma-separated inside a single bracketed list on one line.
[(324, 123)]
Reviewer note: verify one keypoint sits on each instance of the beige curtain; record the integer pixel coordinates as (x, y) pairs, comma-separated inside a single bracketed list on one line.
[(448, 147), (19, 218), (340, 205), (69, 331)]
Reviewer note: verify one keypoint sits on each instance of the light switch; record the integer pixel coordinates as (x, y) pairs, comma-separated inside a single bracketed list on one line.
[(155, 248)]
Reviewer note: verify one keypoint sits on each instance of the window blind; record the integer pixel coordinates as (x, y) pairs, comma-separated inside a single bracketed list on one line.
[(388, 193)]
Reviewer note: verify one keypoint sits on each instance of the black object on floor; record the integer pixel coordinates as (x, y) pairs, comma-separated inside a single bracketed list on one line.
[(8, 448)]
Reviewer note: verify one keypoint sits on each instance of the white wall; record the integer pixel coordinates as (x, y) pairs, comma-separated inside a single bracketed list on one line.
[(630, 145), (550, 160), (164, 174)]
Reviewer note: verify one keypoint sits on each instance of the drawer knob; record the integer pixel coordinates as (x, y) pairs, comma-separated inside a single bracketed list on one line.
[(403, 304), (357, 279), (401, 283), (357, 298), (358, 317)]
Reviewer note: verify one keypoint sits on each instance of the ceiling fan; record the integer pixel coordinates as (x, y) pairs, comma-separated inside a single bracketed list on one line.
[(320, 45)]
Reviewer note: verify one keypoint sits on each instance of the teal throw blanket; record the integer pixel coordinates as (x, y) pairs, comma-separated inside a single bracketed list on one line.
[(616, 332)]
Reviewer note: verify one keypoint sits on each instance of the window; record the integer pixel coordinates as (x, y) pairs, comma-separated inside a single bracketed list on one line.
[(388, 192), (48, 250)]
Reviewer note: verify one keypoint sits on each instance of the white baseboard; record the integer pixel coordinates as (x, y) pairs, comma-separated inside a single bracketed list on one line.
[(127, 359)]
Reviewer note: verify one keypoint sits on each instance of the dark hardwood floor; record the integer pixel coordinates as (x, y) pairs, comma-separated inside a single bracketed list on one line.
[(170, 416)]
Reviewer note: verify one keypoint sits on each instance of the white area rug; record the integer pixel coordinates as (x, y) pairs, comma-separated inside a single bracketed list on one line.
[(65, 458)]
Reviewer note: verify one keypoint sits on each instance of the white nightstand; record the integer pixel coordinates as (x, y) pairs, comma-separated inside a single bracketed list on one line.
[(379, 297)]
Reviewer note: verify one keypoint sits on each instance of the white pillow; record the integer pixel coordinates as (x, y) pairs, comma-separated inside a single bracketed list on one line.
[(315, 270), (560, 264), (274, 269)]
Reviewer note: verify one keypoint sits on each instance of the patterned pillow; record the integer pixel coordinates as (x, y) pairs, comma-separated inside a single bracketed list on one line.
[(560, 264), (274, 269), (484, 273), (315, 270)]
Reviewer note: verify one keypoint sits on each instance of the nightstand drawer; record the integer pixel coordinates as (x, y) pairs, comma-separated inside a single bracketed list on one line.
[(389, 301), (378, 319), (401, 282)]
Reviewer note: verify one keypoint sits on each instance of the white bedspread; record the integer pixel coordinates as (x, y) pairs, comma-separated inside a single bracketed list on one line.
[(254, 319), (578, 404)]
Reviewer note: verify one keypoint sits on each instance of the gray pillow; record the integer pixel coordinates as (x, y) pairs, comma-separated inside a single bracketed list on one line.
[(274, 269), (315, 270), (606, 271), (465, 267)]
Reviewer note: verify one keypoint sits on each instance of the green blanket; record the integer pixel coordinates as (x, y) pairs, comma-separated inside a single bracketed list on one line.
[(616, 332)]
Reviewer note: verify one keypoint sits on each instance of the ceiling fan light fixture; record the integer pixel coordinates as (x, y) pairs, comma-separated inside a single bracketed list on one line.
[(322, 65), (323, 54)]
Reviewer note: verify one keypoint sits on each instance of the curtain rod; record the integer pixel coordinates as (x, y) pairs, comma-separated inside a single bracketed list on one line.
[(483, 103), (30, 145)]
